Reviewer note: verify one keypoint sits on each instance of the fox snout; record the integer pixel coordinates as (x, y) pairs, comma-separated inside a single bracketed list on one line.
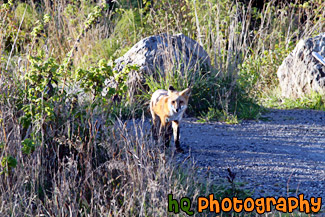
[(177, 108)]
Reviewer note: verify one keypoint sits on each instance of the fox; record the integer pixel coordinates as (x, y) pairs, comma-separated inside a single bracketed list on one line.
[(167, 108)]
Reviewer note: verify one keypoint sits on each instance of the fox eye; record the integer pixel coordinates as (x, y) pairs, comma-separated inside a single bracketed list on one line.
[(181, 102), (173, 101)]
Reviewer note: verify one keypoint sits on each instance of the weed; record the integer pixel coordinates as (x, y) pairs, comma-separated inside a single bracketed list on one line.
[(312, 101), (63, 148)]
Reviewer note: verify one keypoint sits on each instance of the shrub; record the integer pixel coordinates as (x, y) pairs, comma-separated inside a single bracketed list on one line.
[(63, 148), (127, 31)]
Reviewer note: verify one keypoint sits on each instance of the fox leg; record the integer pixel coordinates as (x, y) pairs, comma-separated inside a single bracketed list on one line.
[(162, 131), (176, 136), (155, 124), (168, 134), (165, 132)]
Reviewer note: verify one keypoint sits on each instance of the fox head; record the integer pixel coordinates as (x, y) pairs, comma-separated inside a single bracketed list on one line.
[(178, 100)]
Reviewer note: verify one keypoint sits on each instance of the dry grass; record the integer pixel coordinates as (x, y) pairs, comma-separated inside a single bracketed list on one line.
[(119, 171), (81, 162)]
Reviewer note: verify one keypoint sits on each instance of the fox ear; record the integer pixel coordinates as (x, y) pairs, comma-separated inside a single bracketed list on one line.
[(186, 93), (171, 89)]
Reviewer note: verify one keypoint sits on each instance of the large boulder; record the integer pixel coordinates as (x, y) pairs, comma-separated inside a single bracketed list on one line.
[(164, 53), (301, 73)]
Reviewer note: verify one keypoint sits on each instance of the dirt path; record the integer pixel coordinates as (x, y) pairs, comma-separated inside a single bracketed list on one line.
[(281, 156)]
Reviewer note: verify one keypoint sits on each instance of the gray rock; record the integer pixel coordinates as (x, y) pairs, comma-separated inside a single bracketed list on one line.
[(164, 53), (300, 73)]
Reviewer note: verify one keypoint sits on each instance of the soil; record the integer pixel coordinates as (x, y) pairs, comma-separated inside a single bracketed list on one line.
[(284, 155)]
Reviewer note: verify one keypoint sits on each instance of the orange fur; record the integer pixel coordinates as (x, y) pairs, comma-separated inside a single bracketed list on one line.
[(168, 107)]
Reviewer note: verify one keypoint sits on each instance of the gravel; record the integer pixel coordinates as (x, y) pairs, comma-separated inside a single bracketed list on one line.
[(282, 156)]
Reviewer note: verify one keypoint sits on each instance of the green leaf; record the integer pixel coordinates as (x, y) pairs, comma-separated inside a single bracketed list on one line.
[(9, 162), (28, 146)]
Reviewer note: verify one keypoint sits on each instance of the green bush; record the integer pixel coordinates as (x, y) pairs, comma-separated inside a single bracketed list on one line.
[(29, 17), (64, 145), (212, 98), (257, 73), (312, 101), (127, 31)]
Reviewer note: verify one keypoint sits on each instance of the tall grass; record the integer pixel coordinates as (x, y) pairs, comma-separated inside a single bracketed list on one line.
[(62, 149), (59, 153), (246, 46), (122, 173)]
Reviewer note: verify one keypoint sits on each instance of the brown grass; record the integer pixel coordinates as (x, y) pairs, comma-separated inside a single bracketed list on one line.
[(85, 165)]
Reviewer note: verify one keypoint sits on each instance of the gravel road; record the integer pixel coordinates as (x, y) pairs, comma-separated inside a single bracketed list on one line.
[(282, 156)]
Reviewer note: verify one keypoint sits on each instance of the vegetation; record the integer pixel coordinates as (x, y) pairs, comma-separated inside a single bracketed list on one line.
[(65, 147)]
